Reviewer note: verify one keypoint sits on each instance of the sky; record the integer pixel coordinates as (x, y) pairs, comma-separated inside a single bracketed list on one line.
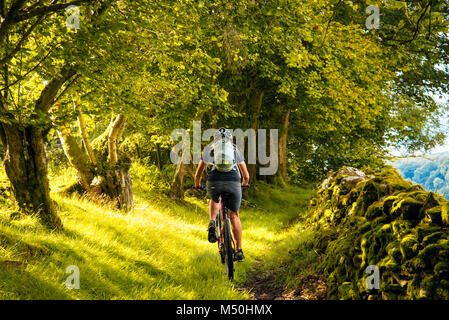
[(444, 120), (439, 149)]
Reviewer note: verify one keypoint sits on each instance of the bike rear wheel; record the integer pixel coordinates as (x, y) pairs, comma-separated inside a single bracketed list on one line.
[(219, 237), (228, 249)]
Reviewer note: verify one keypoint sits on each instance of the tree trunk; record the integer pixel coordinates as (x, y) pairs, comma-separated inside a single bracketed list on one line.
[(177, 187), (83, 131), (158, 155), (113, 136), (117, 184), (25, 159), (281, 175), (255, 107), (26, 167), (110, 173), (77, 158)]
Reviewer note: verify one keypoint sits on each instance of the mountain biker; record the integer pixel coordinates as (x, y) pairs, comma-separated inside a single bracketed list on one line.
[(224, 177)]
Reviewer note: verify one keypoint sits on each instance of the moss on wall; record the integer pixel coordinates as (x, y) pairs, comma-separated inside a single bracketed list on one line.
[(378, 218)]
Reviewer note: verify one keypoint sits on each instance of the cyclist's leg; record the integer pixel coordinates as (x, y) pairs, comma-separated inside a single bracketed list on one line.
[(213, 209), (233, 204), (236, 228), (213, 192)]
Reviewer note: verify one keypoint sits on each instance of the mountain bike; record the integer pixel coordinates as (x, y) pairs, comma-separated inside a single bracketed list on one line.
[(226, 244)]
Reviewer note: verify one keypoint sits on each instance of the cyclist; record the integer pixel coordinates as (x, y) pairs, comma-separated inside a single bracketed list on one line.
[(225, 176)]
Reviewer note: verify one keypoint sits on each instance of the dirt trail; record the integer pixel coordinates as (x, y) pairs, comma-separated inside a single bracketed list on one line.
[(265, 286)]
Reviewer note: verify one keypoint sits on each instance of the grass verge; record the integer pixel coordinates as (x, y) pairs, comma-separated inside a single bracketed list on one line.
[(157, 251)]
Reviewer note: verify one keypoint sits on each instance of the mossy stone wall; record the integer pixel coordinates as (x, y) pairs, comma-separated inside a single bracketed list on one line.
[(378, 218)]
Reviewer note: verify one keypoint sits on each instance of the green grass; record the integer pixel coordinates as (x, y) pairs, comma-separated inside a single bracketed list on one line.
[(289, 259), (158, 251)]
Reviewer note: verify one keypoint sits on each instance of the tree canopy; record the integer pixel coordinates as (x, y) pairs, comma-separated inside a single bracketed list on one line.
[(339, 91)]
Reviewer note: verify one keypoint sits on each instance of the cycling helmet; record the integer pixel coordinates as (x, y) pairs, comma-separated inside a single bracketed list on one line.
[(223, 133)]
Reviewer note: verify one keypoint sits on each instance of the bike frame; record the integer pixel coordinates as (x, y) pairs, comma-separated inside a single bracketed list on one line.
[(222, 218), (223, 215)]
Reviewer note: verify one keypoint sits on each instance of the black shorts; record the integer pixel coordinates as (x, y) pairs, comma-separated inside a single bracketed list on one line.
[(233, 188)]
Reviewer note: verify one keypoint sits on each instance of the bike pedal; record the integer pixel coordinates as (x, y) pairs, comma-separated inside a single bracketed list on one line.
[(235, 258)]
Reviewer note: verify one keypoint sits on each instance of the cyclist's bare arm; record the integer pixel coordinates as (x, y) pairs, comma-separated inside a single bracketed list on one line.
[(199, 172), (245, 174)]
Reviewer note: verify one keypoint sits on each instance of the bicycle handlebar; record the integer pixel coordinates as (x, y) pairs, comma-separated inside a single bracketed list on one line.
[(203, 187)]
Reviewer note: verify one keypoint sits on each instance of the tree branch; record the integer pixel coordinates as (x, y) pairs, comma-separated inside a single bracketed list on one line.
[(31, 70), (112, 139), (26, 13), (50, 91), (83, 132), (7, 22), (66, 88), (25, 36), (330, 20), (77, 158), (2, 10), (415, 31), (121, 129), (17, 14), (15, 7), (418, 23)]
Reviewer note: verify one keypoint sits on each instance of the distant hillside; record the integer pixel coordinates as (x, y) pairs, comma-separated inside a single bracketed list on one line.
[(431, 172)]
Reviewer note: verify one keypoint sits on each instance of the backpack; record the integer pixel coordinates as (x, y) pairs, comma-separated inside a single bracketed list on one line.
[(224, 155)]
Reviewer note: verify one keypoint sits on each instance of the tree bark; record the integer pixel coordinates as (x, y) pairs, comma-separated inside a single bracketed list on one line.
[(83, 132), (116, 183), (114, 133), (26, 166), (77, 158), (158, 156), (281, 175), (177, 187), (255, 105)]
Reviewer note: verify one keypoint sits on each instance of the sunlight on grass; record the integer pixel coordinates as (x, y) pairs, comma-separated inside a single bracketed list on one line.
[(58, 180), (158, 251)]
